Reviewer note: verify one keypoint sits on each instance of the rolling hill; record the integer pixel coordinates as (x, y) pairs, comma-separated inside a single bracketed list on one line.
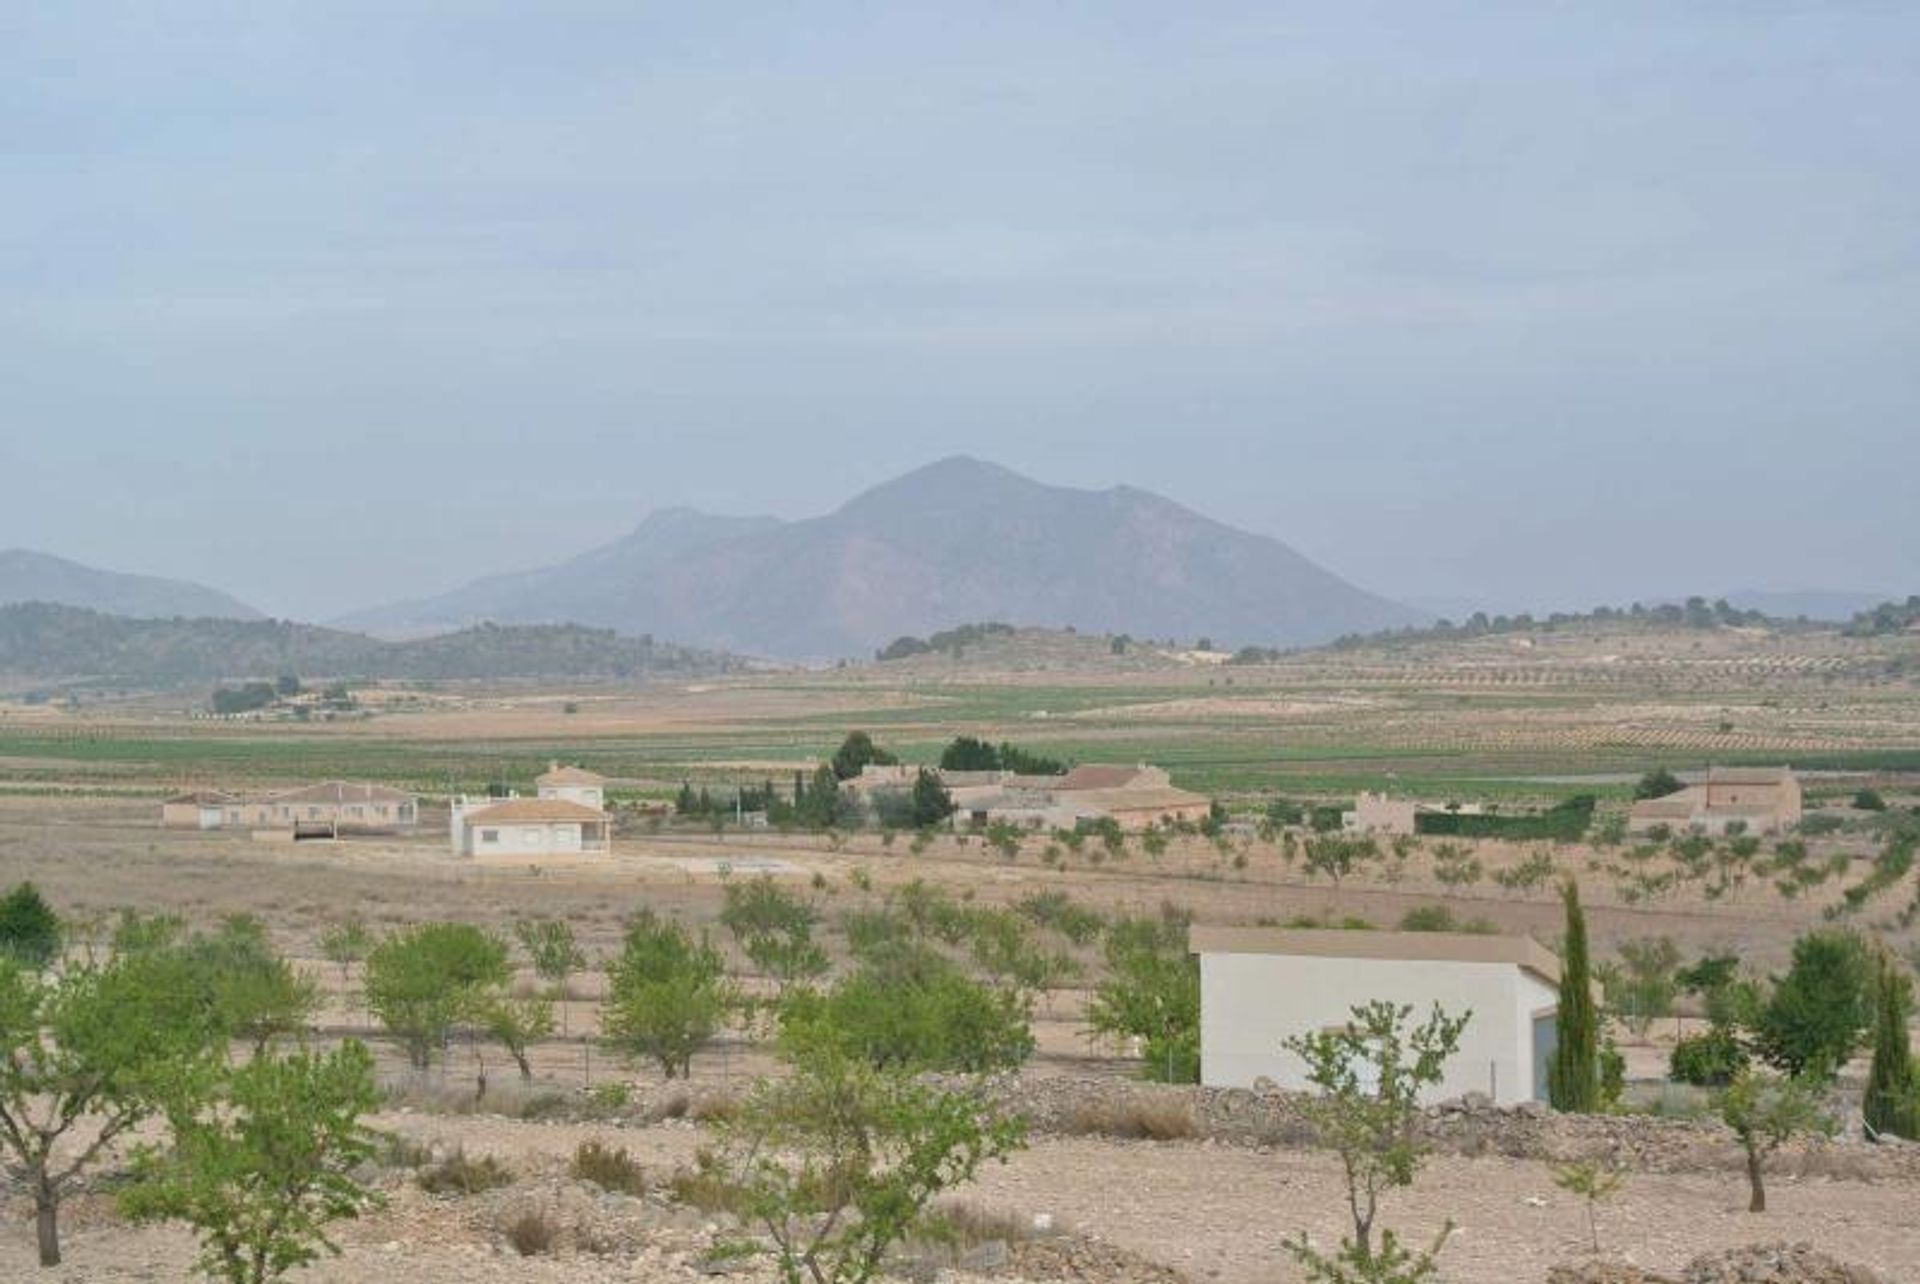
[(957, 540), (29, 576), (41, 642)]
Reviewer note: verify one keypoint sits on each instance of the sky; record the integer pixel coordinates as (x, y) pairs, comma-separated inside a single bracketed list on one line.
[(1527, 304)]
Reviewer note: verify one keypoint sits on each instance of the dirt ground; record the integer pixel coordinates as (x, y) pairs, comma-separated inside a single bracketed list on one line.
[(1215, 1213)]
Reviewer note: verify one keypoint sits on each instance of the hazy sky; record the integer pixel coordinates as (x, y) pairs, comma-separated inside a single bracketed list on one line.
[(1546, 303)]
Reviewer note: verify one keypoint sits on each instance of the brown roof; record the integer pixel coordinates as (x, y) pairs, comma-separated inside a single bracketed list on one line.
[(531, 810), (1096, 775), (202, 798), (558, 775), (1156, 800), (340, 791), (1449, 947)]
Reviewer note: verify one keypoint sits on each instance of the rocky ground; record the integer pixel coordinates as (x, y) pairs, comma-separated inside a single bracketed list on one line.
[(1121, 1212)]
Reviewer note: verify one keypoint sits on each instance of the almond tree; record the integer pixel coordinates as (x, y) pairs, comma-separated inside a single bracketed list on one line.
[(106, 1044)]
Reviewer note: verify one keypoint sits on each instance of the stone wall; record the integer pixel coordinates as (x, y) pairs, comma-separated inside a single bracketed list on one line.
[(1471, 1126)]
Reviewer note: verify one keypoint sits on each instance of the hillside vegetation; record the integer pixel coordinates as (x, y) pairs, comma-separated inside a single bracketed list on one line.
[(42, 641)]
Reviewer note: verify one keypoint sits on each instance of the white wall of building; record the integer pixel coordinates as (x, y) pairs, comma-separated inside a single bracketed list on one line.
[(523, 838), (594, 796), (1251, 1003)]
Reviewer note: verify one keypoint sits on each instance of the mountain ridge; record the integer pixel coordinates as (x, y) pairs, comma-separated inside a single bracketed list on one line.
[(956, 539), (29, 575)]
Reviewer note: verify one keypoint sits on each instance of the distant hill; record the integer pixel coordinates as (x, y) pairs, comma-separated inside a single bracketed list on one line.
[(604, 586), (956, 540), (28, 576), (44, 642)]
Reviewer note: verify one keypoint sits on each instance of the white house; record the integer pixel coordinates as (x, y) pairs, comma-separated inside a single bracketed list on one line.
[(528, 827), (572, 784), (1260, 986)]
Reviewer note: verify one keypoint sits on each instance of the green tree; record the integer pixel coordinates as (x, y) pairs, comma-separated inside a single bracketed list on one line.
[(1766, 1111), (931, 801), (856, 752), (1642, 987), (1818, 1013), (969, 753), (1594, 1182), (550, 946), (775, 930), (819, 804), (907, 1007), (1573, 1076), (260, 1174), (29, 929), (667, 994), (255, 995), (1657, 783), (345, 944), (109, 1044), (1368, 1078), (517, 1024), (1892, 1102), (1152, 993), (840, 1161), (1338, 856), (423, 981)]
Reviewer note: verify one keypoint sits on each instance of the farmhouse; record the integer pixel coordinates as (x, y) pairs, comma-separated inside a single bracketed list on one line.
[(1379, 814), (1261, 986), (572, 784), (335, 807), (1753, 800), (1134, 798), (528, 827)]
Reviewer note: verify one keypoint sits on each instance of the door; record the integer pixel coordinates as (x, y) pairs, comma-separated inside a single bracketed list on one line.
[(1546, 1038)]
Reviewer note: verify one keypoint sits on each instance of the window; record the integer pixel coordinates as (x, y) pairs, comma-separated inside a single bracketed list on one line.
[(489, 835)]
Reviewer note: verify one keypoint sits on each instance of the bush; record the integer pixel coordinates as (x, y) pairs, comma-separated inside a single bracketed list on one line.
[(532, 1233), (29, 929), (458, 1174), (1134, 1119), (908, 1007), (607, 1168), (1439, 918), (1708, 1060)]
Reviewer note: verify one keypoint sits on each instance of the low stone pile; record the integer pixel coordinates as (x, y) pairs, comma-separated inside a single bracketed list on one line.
[(1774, 1264), (1470, 1126)]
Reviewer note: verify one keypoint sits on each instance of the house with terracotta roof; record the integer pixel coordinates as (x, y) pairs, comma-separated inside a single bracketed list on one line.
[(328, 809), (572, 784), (1261, 986), (521, 827), (1727, 800)]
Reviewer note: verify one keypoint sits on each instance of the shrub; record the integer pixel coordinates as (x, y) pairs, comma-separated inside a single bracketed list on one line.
[(459, 1174), (607, 1168), (532, 1233), (1134, 1118), (1439, 918), (909, 1007), (29, 929), (1708, 1060)]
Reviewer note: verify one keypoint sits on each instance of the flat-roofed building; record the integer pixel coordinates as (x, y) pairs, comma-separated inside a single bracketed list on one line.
[(1262, 986)]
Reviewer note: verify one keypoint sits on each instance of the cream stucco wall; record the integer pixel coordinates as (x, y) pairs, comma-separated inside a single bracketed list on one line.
[(1250, 1003)]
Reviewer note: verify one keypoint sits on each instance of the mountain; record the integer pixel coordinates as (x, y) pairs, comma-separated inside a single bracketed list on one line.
[(27, 576), (605, 586), (954, 541), (46, 642)]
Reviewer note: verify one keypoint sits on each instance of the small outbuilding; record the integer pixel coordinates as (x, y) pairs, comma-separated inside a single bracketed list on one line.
[(1261, 986)]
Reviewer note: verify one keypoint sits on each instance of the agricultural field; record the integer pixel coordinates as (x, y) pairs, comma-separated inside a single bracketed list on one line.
[(1131, 1193)]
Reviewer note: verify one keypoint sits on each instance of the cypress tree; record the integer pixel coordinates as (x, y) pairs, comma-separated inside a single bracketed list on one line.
[(1891, 1105), (1573, 1076)]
